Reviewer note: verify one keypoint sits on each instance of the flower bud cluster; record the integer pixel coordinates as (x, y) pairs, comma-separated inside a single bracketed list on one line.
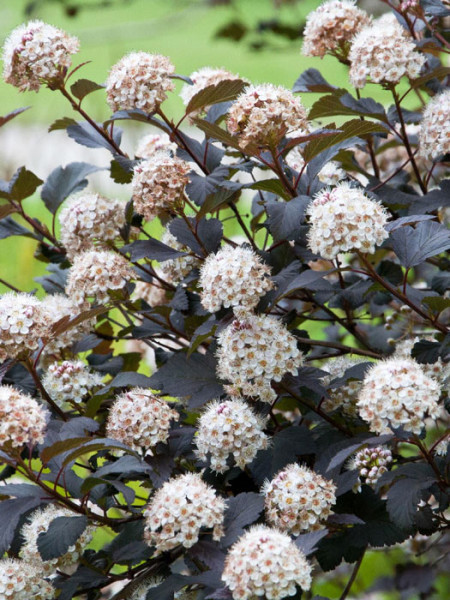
[(22, 419), (233, 277), (434, 136), (154, 143), (298, 499), (230, 428), (69, 382), (263, 114), (139, 419), (23, 322), (345, 219), (203, 78), (158, 185), (37, 53), (370, 463), (383, 53), (345, 396), (96, 272), (330, 174), (265, 562), (331, 27), (139, 80), (22, 581), (89, 218), (179, 510), (38, 523), (254, 351), (397, 393), (176, 269)]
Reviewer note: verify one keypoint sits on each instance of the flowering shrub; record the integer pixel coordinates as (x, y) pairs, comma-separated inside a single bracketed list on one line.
[(293, 315)]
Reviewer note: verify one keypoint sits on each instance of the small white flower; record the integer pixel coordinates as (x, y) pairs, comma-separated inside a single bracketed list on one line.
[(20, 580)]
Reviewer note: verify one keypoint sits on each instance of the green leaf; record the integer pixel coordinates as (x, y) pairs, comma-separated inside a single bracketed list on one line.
[(83, 87), (223, 91), (214, 131), (61, 124), (436, 303), (271, 185), (62, 533), (22, 185), (64, 181)]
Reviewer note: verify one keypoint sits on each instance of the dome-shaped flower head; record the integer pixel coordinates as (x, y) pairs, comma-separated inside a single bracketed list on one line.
[(343, 397), (23, 323), (139, 80), (38, 523), (37, 53), (177, 512), (94, 273), (383, 53), (176, 269), (434, 135), (330, 28), (139, 419), (255, 350), (68, 383), (265, 562), (23, 581), (153, 143), (89, 218), (438, 369), (263, 114), (230, 428), (298, 499), (22, 420), (233, 277), (158, 185), (345, 219), (397, 393)]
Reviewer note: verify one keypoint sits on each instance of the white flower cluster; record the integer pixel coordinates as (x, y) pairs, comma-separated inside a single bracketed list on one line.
[(441, 448), (439, 370), (345, 396), (151, 293), (265, 562), (298, 499), (230, 428), (179, 510), (203, 78), (153, 143), (263, 114), (57, 307), (23, 322), (139, 419), (94, 273), (233, 277), (89, 218), (176, 269), (331, 27), (69, 382), (345, 219), (139, 80), (158, 185), (397, 393), (23, 581), (255, 350), (37, 53), (383, 52), (22, 419), (434, 136), (330, 174), (370, 463), (38, 523)]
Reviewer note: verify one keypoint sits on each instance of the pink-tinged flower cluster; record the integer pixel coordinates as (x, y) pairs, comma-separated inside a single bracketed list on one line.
[(397, 393), (233, 277), (438, 370), (94, 273), (38, 523), (345, 219), (298, 499), (330, 28), (176, 269), (263, 114), (265, 562), (22, 420), (89, 219), (370, 463), (383, 53), (20, 580), (254, 351), (139, 80), (434, 135), (37, 53), (230, 429), (158, 185), (179, 510), (153, 143), (68, 383), (139, 419)]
